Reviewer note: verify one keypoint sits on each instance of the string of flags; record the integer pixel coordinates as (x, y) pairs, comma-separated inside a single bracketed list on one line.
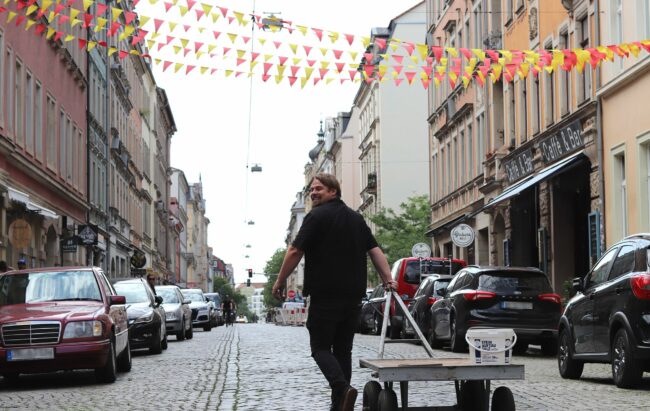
[(410, 61)]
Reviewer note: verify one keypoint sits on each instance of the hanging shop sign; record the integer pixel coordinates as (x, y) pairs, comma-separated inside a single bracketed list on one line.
[(69, 245), (519, 166), (565, 141), (138, 259), (421, 250), (20, 233), (462, 235), (88, 234)]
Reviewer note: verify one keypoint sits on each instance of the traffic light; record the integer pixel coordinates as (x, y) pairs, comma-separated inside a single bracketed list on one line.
[(248, 282), (250, 273)]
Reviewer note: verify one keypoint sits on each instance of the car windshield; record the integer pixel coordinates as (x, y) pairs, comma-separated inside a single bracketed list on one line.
[(514, 283), (215, 299), (194, 297), (426, 267), (168, 295), (438, 286), (50, 286), (134, 292)]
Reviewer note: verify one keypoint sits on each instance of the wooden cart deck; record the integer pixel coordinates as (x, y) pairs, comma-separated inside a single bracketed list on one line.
[(440, 369)]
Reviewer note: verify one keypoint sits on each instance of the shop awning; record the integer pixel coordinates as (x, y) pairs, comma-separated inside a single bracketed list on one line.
[(536, 178), (19, 196)]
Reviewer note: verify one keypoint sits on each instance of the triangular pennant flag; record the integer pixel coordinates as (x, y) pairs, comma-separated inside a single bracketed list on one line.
[(294, 70), (188, 69), (349, 38), (319, 33), (281, 69), (177, 67), (166, 65), (307, 50)]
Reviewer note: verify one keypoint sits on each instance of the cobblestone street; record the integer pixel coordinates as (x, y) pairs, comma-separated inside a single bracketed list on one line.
[(267, 367)]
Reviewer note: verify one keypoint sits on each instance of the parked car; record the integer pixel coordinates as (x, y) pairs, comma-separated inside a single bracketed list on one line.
[(371, 314), (408, 272), (217, 316), (178, 315), (520, 298), (607, 321), (146, 315), (62, 319), (429, 291), (201, 308)]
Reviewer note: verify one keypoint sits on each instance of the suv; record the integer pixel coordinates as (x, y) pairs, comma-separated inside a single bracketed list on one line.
[(607, 320), (408, 272), (217, 316), (62, 319), (520, 298), (201, 308)]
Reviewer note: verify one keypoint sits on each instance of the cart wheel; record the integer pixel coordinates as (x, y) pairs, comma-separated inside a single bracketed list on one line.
[(371, 396), (503, 400), (473, 396), (387, 401)]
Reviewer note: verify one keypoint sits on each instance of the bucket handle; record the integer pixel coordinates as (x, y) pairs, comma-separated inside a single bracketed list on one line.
[(514, 340)]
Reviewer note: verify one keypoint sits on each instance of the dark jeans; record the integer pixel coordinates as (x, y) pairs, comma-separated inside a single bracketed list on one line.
[(331, 326)]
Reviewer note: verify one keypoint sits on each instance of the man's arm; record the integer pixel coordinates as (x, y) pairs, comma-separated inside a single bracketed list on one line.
[(291, 260), (381, 264)]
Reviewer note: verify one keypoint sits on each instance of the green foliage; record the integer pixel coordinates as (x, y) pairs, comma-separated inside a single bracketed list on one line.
[(223, 287), (397, 233), (272, 270)]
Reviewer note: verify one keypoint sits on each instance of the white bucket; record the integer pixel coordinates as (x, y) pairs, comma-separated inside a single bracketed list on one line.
[(490, 346)]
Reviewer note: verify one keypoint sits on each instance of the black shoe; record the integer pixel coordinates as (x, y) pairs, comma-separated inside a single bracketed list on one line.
[(349, 398)]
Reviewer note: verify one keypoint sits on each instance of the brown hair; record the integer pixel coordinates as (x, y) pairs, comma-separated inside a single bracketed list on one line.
[(329, 181)]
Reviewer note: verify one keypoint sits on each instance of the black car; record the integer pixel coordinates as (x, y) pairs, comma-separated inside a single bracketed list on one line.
[(372, 313), (520, 298), (429, 291), (146, 315), (608, 320)]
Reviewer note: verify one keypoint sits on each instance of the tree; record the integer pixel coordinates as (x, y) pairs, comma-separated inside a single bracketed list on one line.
[(397, 233), (223, 287), (272, 270)]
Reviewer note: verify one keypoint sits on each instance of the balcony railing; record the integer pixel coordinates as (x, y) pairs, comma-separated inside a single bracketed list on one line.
[(371, 185)]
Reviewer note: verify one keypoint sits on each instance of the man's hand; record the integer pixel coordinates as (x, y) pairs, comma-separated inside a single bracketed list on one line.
[(390, 284), (278, 289)]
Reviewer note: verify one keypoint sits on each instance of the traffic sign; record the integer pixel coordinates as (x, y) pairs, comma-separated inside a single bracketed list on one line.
[(291, 294)]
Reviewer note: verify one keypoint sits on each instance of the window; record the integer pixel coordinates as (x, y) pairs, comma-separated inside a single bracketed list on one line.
[(534, 105), (620, 197), (470, 150), (461, 161), (510, 98), (523, 110), (19, 105), (565, 78), (38, 121), (29, 112), (624, 262), (75, 161), (601, 270), (584, 78), (81, 160), (480, 142), (509, 11), (616, 27), (63, 154), (448, 173), (51, 132), (549, 94), (10, 90), (2, 76), (455, 163), (434, 177), (643, 22), (478, 26)]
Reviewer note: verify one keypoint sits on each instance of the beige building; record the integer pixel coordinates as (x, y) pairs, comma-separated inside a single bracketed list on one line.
[(623, 93), (197, 239), (532, 155)]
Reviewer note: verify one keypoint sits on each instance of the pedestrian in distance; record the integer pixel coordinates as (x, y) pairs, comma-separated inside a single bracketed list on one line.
[(151, 280), (335, 241), (22, 263)]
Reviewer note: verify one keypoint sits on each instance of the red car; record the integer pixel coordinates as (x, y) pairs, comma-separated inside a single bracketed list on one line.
[(408, 272), (62, 318)]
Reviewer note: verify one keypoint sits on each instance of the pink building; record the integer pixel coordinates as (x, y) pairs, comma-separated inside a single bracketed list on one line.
[(42, 143)]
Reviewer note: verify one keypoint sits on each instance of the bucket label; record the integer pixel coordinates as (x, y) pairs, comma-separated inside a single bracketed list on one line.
[(488, 345), (477, 353)]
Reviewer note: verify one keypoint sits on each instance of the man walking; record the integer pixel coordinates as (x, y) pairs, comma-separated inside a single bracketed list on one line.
[(335, 241)]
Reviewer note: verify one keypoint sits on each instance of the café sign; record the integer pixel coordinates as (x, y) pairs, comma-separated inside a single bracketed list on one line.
[(519, 166), (565, 141), (462, 235)]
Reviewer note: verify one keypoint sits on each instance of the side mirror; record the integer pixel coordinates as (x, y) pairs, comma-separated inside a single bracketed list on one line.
[(577, 284), (158, 300), (186, 301), (116, 300)]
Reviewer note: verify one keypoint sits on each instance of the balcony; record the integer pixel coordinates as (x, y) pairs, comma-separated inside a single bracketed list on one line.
[(371, 185)]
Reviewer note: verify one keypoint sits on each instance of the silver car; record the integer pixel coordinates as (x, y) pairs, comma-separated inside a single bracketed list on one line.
[(177, 309), (201, 308)]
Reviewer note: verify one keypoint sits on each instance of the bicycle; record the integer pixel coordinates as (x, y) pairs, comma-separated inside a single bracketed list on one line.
[(230, 318)]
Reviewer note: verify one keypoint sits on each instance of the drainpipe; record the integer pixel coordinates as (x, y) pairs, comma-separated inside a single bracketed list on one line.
[(107, 131), (599, 136)]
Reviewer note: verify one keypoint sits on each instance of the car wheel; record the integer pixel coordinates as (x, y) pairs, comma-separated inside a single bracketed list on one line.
[(108, 373), (569, 368), (163, 344), (625, 370), (207, 328), (549, 347), (180, 336), (124, 361), (156, 344), (457, 342)]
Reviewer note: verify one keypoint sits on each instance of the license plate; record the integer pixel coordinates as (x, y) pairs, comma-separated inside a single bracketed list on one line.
[(517, 305), (27, 354)]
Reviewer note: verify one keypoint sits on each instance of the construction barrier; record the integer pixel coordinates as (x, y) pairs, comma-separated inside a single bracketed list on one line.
[(291, 314)]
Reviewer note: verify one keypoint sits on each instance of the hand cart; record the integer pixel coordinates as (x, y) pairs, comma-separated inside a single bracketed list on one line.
[(471, 381)]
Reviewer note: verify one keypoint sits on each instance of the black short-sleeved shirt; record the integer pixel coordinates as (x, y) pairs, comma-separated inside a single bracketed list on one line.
[(335, 240)]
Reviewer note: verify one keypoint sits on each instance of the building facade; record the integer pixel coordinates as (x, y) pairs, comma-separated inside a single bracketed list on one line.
[(197, 239), (178, 209)]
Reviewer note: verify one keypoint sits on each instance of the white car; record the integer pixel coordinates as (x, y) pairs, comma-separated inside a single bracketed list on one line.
[(200, 306)]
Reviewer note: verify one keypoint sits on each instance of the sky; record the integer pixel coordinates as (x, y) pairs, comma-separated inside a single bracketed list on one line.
[(212, 115)]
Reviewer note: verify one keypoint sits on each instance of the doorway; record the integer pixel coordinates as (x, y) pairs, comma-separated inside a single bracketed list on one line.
[(523, 220)]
